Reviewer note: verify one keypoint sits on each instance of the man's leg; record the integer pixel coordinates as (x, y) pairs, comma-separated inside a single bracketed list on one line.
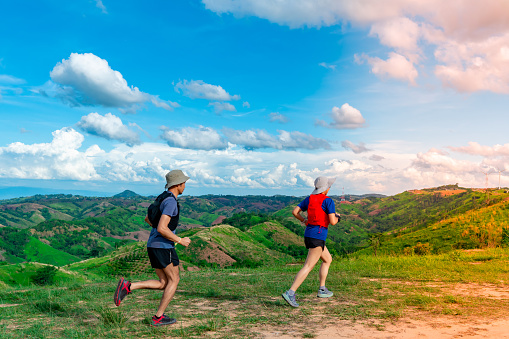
[(324, 268), (152, 284), (125, 287), (314, 255), (172, 275)]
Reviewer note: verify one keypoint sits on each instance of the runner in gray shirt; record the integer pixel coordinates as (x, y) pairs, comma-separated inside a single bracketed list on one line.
[(161, 251)]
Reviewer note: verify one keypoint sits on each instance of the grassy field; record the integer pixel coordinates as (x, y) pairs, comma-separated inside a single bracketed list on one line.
[(239, 303)]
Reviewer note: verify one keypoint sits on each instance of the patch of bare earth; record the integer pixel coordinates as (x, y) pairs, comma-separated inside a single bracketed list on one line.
[(137, 235), (414, 323), (442, 327)]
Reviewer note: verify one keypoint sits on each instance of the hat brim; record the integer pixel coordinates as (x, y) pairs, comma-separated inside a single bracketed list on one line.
[(177, 181), (330, 181)]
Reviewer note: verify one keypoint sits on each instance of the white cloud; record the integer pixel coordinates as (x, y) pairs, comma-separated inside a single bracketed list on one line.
[(246, 104), (375, 157), (203, 138), (108, 126), (197, 89), (435, 168), (85, 79), (10, 80), (400, 33), (346, 117), (285, 171), (325, 65), (222, 106), (99, 4), (59, 159), (167, 105), (254, 139), (397, 66), (469, 38), (437, 160), (476, 65), (360, 148), (276, 116), (475, 148)]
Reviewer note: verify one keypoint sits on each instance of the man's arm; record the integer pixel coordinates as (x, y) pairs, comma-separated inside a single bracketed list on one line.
[(147, 220), (163, 229), (296, 213), (334, 218)]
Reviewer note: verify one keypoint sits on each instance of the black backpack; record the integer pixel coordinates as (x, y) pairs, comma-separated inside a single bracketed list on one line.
[(154, 210)]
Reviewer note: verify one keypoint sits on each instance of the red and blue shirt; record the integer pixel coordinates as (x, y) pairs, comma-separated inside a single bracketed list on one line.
[(315, 230)]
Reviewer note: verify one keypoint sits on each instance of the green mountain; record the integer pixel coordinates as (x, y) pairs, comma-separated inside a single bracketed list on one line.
[(85, 227), (127, 194), (483, 227), (218, 246)]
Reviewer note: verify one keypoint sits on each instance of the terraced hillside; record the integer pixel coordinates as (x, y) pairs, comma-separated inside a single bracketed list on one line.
[(85, 227)]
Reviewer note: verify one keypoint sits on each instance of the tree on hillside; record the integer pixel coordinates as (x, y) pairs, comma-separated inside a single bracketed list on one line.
[(375, 240)]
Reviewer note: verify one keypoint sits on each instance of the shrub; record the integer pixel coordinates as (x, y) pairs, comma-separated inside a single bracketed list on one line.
[(44, 275), (422, 249)]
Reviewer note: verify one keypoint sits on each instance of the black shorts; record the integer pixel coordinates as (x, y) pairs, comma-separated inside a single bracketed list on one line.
[(312, 243), (162, 257)]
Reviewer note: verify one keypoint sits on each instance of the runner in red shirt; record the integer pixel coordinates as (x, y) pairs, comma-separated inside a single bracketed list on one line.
[(321, 213)]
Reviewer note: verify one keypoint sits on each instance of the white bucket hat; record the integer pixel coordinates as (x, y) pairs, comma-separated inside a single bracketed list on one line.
[(175, 177), (322, 184)]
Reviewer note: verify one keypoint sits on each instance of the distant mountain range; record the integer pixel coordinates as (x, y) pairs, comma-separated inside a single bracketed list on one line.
[(18, 192), (63, 228)]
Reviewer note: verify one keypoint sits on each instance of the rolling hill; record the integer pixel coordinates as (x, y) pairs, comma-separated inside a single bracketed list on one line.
[(445, 218)]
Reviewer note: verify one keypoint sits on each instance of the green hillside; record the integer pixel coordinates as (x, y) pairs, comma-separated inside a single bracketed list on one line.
[(485, 227), (86, 227), (15, 275), (218, 246), (37, 251)]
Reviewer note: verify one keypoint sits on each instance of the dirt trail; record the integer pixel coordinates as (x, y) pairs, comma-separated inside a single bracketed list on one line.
[(420, 325), (434, 328), (442, 328)]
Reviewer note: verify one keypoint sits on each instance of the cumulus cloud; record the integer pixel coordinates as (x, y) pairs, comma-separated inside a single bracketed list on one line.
[(203, 138), (441, 161), (59, 159), (197, 89), (360, 148), (108, 126), (230, 167), (346, 117), (396, 66), (278, 117), (400, 33), (475, 148), (246, 104), (222, 106), (435, 167), (468, 40), (476, 65), (254, 139), (86, 79)]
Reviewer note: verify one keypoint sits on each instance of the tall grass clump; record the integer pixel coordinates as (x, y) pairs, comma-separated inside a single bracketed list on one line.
[(110, 317)]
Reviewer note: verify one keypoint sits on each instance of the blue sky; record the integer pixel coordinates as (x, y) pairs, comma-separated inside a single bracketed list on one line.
[(253, 97)]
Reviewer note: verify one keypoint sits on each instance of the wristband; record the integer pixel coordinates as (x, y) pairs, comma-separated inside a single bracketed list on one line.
[(180, 239)]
